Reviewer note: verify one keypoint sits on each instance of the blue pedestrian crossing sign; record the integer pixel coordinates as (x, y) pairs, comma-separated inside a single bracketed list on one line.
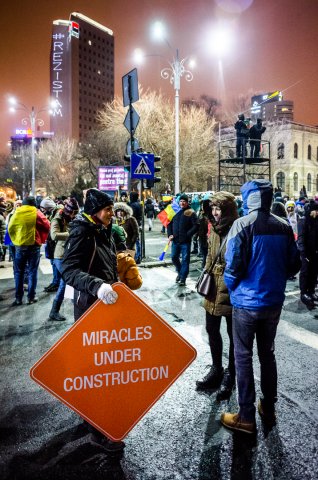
[(142, 165)]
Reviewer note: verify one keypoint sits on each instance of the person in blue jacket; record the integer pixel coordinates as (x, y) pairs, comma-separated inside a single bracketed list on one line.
[(261, 255)]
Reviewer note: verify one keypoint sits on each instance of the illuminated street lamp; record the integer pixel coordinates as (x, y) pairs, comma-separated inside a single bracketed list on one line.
[(33, 119), (173, 74)]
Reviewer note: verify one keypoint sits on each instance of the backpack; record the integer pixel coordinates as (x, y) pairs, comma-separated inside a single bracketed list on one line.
[(50, 246)]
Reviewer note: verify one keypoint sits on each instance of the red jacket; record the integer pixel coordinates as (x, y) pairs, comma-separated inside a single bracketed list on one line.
[(42, 228)]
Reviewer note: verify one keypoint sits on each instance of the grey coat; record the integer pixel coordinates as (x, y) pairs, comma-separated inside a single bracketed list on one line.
[(59, 232)]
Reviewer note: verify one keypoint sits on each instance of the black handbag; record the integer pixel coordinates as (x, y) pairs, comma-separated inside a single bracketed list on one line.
[(206, 285)]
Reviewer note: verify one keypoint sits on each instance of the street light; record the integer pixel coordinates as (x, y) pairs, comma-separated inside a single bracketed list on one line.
[(173, 74), (33, 119)]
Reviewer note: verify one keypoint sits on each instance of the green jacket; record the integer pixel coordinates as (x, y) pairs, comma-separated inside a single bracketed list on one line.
[(221, 305)]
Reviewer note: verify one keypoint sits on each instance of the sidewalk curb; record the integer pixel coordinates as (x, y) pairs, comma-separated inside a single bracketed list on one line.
[(161, 263)]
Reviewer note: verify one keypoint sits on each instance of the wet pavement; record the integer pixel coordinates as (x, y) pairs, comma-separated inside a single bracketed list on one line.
[(181, 437)]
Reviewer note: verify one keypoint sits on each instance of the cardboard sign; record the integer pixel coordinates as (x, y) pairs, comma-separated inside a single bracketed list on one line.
[(114, 363)]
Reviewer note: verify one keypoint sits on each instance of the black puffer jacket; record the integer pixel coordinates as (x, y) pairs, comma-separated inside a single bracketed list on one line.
[(89, 260), (308, 232), (183, 226)]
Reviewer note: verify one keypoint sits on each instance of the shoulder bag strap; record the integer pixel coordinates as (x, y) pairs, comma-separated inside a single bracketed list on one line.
[(90, 263), (218, 254)]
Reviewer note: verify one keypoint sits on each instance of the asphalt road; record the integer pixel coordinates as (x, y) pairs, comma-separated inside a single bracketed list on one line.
[(181, 437)]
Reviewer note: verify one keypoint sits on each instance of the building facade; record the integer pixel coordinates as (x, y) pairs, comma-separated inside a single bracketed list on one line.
[(294, 157), (81, 74), (289, 149)]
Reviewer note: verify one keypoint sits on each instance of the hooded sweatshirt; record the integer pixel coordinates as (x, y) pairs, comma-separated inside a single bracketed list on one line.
[(28, 226), (261, 252)]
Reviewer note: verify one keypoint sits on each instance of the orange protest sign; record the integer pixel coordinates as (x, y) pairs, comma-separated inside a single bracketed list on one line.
[(114, 363)]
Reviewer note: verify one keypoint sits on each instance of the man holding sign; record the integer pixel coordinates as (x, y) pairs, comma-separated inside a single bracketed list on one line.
[(90, 264)]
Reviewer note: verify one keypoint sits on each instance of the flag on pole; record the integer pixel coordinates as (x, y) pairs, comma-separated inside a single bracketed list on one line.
[(162, 256), (166, 215)]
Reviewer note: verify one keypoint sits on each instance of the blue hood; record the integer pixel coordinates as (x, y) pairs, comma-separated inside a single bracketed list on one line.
[(256, 195)]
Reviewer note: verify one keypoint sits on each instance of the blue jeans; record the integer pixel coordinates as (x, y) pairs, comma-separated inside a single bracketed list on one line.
[(246, 324), (59, 297), (183, 266), (138, 250), (56, 274), (26, 255)]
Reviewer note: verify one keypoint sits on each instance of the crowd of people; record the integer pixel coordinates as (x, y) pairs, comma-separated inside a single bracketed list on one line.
[(251, 245)]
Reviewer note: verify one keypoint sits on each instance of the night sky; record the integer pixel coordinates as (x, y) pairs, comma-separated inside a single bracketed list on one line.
[(275, 48)]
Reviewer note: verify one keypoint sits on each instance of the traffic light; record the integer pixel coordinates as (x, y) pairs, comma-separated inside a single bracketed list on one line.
[(157, 169), (127, 159), (151, 181)]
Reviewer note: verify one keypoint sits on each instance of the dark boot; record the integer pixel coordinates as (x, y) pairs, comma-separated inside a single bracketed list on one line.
[(211, 380), (314, 297), (227, 386), (308, 301), (51, 288), (267, 413), (54, 313)]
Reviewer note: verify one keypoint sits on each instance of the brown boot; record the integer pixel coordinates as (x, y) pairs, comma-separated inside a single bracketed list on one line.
[(235, 422)]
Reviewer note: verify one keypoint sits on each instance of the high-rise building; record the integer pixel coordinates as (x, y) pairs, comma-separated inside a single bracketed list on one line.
[(271, 107), (81, 74)]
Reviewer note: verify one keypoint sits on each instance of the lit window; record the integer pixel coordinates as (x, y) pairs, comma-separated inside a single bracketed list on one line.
[(89, 42), (309, 152), (281, 151), (280, 180), (309, 182)]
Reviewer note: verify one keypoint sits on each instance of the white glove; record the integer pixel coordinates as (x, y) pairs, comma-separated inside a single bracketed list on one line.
[(106, 294)]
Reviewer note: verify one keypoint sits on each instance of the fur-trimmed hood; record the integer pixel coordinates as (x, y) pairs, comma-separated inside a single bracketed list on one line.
[(124, 207), (226, 202), (188, 212)]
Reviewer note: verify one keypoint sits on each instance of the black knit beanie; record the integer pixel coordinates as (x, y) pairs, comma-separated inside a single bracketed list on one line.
[(96, 200)]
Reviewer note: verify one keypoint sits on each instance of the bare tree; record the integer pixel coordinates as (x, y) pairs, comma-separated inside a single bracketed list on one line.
[(156, 133), (57, 165), (240, 104), (97, 149), (211, 105), (16, 170)]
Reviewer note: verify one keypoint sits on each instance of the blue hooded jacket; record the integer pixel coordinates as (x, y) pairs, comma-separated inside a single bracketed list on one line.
[(261, 252)]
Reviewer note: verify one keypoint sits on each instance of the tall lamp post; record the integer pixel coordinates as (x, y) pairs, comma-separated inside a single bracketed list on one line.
[(33, 120), (174, 74)]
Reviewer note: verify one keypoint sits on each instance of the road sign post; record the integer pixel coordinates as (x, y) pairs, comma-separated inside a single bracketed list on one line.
[(142, 165), (114, 363), (131, 95)]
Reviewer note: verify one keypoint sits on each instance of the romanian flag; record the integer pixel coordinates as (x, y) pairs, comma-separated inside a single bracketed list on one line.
[(166, 215), (162, 256)]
